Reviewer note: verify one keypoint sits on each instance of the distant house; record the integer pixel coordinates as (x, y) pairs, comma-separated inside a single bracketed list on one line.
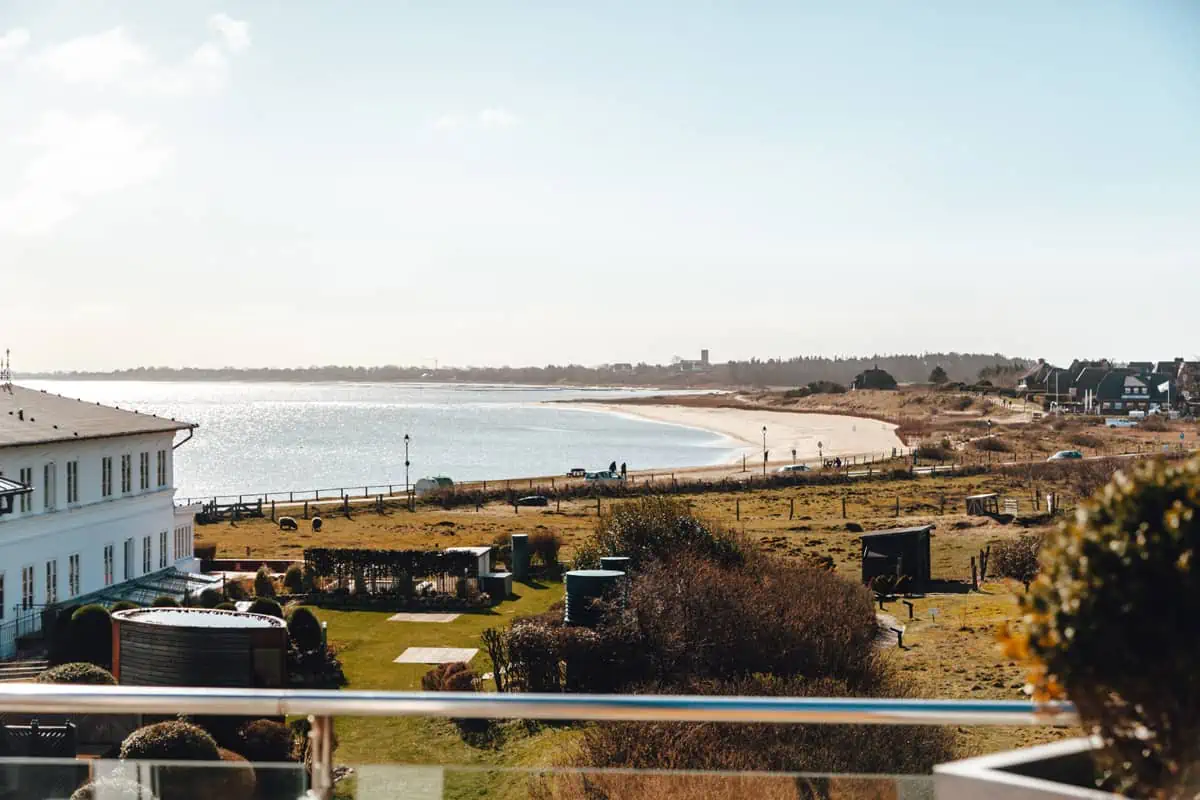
[(1034, 377), (622, 368), (1140, 366), (1085, 384), (1169, 367), (874, 378), (1121, 392)]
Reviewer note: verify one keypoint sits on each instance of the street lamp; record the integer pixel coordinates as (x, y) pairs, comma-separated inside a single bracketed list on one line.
[(764, 449), (407, 486)]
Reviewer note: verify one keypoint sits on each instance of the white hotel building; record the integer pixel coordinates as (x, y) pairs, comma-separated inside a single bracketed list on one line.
[(86, 507)]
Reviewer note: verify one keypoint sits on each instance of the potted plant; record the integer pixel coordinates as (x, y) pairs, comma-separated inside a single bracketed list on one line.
[(1112, 623)]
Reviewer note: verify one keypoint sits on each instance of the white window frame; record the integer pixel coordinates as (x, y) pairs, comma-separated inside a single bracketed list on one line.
[(1, 595), (109, 558), (52, 581), (49, 486), (126, 473), (147, 555), (143, 471), (106, 482), (162, 469), (130, 555), (28, 588), (72, 482), (73, 575), (162, 549), (27, 497)]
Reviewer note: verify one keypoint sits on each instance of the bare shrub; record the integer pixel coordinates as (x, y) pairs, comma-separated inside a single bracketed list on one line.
[(992, 444), (659, 527), (545, 544), (1154, 423), (1016, 558), (1085, 440)]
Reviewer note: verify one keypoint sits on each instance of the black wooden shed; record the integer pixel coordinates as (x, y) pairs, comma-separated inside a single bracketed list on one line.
[(900, 551)]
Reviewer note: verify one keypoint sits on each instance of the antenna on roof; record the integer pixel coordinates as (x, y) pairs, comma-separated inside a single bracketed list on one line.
[(6, 372)]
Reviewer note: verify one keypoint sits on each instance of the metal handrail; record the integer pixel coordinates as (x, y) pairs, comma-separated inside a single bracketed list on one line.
[(62, 699)]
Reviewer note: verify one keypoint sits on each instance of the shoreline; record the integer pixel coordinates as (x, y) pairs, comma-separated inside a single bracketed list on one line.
[(810, 435)]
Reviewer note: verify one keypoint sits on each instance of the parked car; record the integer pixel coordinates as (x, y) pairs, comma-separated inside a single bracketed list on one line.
[(577, 472), (794, 468), (1065, 455), (603, 477), (534, 500), (432, 484)]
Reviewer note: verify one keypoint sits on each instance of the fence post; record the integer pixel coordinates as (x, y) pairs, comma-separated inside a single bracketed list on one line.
[(379, 504), (974, 576), (791, 507), (738, 508), (291, 497), (597, 505), (897, 505), (306, 509), (346, 506), (942, 509), (843, 506), (272, 511)]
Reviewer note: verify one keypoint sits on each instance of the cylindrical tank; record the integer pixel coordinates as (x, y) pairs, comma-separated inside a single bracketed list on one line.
[(520, 556), (198, 647), (584, 586), (618, 563)]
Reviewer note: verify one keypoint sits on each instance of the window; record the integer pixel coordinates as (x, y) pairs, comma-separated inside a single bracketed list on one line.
[(183, 542), (145, 552), (1, 595), (49, 486), (72, 482), (106, 476), (73, 574), (108, 564), (27, 479), (126, 474), (129, 559), (51, 582), (162, 468), (27, 587), (144, 471), (162, 549)]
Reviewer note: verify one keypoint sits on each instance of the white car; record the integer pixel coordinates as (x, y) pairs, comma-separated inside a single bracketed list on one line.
[(603, 477), (794, 468)]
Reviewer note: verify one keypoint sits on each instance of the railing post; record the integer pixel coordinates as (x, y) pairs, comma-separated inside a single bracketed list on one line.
[(321, 743)]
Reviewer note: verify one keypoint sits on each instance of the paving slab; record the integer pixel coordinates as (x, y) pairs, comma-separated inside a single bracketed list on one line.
[(435, 655), (406, 616)]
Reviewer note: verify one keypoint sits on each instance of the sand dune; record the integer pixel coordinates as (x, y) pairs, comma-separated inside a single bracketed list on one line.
[(837, 435)]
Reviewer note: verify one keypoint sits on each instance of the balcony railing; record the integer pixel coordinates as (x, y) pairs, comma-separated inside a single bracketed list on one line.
[(322, 706)]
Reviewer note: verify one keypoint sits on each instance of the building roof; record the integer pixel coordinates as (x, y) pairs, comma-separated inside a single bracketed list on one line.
[(1090, 377), (31, 416), (898, 532)]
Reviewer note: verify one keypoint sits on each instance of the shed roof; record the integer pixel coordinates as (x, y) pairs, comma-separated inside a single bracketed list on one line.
[(898, 532), (32, 416)]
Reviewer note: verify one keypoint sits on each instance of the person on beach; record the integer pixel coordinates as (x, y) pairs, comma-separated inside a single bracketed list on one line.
[(613, 468), (622, 470)]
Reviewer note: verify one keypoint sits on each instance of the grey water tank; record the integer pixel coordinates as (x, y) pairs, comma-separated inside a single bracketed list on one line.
[(520, 556), (618, 563), (584, 586)]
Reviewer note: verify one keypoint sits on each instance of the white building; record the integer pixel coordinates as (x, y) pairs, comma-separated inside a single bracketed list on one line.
[(86, 504)]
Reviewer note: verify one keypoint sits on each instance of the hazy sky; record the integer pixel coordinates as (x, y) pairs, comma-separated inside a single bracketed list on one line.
[(293, 183)]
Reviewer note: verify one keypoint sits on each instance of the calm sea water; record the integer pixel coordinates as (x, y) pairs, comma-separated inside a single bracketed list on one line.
[(260, 437)]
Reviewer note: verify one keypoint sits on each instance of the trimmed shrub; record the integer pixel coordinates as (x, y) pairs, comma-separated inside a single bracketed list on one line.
[(211, 598), (236, 590), (239, 781), (454, 677), (293, 580), (267, 606), (502, 549), (1110, 623), (91, 636), (79, 673), (1016, 558), (265, 741), (123, 605), (264, 582), (165, 601), (304, 629), (545, 544), (225, 606), (659, 527), (59, 646), (177, 741), (113, 788)]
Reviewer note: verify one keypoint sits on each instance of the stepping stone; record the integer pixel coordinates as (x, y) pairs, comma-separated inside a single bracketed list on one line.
[(405, 616), (435, 655)]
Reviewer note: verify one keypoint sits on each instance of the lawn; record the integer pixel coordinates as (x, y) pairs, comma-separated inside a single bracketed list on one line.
[(367, 643)]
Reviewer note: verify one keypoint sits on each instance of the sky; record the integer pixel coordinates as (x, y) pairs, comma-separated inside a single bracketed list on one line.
[(282, 183)]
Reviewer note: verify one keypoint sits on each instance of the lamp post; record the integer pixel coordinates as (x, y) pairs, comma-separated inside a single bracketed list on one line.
[(407, 485), (764, 449)]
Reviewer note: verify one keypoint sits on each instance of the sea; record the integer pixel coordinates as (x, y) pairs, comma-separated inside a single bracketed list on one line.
[(278, 437)]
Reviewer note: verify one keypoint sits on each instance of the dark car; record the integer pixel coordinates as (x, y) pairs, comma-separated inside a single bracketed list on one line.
[(534, 500)]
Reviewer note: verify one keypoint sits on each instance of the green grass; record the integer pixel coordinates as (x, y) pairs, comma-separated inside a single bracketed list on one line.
[(367, 643)]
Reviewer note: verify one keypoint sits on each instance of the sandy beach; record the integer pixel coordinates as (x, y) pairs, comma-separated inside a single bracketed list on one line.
[(807, 434)]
